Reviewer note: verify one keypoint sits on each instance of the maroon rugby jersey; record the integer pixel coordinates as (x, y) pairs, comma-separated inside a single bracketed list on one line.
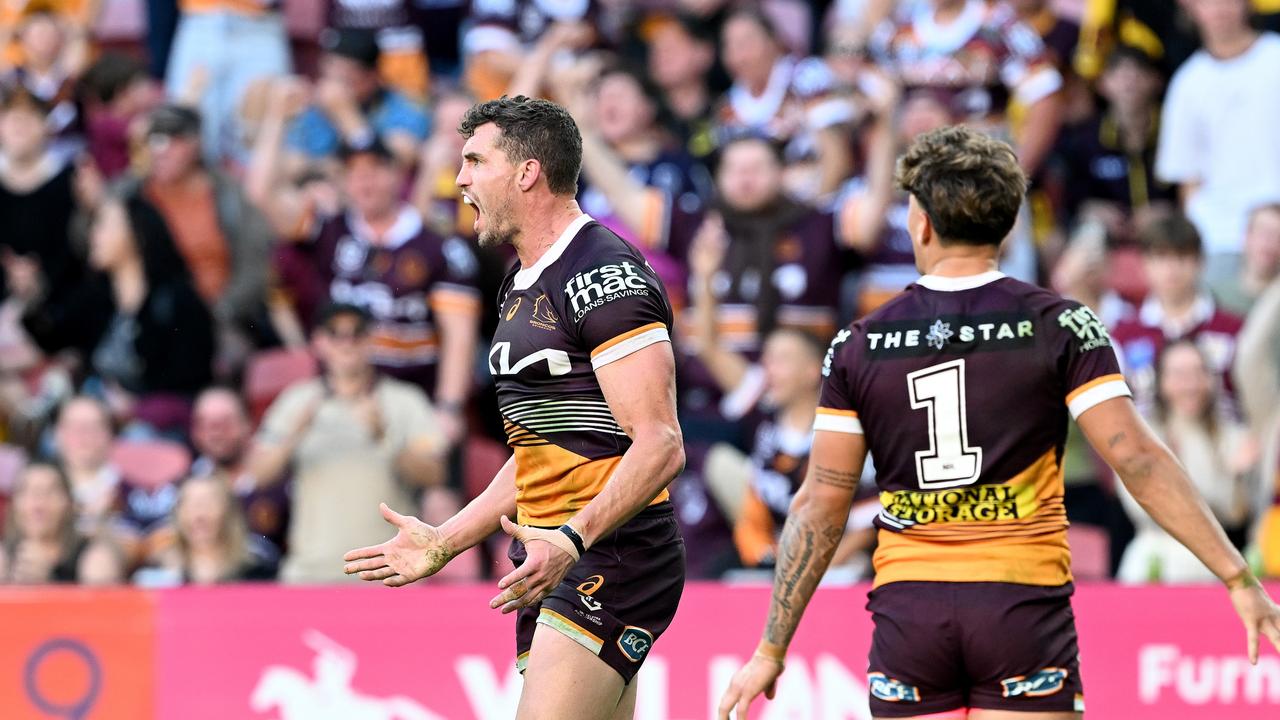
[(589, 300), (403, 281), (962, 388)]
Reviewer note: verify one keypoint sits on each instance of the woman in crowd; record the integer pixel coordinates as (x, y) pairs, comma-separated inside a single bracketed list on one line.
[(1217, 452), (41, 544), (143, 335), (213, 544)]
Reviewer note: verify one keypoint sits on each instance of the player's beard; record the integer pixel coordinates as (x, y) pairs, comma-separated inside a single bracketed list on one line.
[(498, 226)]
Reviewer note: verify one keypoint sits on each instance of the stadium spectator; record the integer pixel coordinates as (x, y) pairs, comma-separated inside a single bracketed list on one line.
[(141, 332), (635, 179), (1176, 309), (980, 57), (221, 433), (82, 438), (1216, 138), (41, 544), (212, 543), (54, 51), (1260, 262), (37, 201), (501, 36), (103, 563), (219, 49), (352, 438), (779, 394), (379, 254), (401, 61), (681, 54), (223, 238), (352, 106), (1216, 450), (1109, 159), (115, 91), (1257, 368)]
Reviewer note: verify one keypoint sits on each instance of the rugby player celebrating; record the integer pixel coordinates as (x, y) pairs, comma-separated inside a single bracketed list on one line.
[(586, 387), (960, 390)]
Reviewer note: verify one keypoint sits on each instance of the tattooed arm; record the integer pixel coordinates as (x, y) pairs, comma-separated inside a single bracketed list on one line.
[(1161, 486), (813, 529)]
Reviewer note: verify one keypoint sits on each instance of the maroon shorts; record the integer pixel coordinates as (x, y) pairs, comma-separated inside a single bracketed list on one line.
[(940, 646), (619, 597)]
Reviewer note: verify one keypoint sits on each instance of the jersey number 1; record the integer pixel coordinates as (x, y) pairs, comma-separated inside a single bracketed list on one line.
[(949, 461)]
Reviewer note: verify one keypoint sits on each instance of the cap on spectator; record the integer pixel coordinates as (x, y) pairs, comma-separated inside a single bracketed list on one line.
[(372, 145), (174, 121), (352, 43), (339, 309)]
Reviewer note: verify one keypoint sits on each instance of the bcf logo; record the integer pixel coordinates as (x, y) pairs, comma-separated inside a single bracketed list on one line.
[(635, 643)]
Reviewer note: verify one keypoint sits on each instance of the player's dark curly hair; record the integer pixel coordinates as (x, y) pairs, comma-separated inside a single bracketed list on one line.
[(533, 129), (969, 184)]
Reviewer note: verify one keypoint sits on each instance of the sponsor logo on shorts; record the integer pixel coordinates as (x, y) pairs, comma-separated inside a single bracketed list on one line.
[(591, 585), (635, 643), (590, 603), (1044, 682), (892, 689), (590, 289)]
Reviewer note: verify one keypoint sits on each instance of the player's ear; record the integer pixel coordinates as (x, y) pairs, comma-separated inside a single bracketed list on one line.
[(528, 173)]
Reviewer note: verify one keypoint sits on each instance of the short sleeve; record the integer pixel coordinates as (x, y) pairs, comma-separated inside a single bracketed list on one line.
[(837, 406), (456, 287), (282, 416), (618, 307), (1027, 69), (1085, 357), (413, 420)]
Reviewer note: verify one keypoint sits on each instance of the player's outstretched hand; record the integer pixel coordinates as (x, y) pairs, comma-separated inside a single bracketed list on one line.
[(1259, 615), (417, 551), (549, 558), (759, 675)]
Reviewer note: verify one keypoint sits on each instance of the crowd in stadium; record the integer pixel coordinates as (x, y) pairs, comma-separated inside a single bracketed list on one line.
[(242, 303)]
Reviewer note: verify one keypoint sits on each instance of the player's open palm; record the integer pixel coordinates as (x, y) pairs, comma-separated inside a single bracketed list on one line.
[(1260, 616), (759, 675), (418, 550)]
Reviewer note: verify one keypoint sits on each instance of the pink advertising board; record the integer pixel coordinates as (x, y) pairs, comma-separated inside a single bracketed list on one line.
[(432, 653)]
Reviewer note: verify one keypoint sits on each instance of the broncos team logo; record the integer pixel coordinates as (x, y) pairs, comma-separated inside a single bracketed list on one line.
[(543, 317)]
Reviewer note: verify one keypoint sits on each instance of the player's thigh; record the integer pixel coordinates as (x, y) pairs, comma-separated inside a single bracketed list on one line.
[(980, 714), (565, 680), (627, 705)]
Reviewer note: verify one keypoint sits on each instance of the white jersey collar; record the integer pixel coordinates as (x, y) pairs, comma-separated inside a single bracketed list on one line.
[(526, 277), (407, 226), (953, 284)]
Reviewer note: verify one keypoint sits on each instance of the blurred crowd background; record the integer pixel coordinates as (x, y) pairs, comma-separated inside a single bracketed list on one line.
[(241, 301)]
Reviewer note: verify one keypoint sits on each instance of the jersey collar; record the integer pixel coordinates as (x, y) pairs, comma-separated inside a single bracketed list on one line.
[(408, 225), (526, 277), (953, 284)]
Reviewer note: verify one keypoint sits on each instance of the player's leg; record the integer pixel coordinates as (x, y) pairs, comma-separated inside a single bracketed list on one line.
[(961, 714), (563, 679), (627, 705)]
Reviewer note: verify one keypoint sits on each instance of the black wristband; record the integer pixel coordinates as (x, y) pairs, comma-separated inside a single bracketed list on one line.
[(574, 538)]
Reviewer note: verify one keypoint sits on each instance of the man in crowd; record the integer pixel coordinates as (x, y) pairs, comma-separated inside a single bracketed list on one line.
[(353, 107), (221, 433), (1176, 309), (353, 438), (1217, 139)]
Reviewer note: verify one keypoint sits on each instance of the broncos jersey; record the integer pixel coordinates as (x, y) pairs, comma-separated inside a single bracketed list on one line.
[(590, 300), (962, 387)]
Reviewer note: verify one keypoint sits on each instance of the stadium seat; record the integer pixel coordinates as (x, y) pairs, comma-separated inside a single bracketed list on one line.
[(268, 373), (482, 459), (1090, 552), (150, 463)]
